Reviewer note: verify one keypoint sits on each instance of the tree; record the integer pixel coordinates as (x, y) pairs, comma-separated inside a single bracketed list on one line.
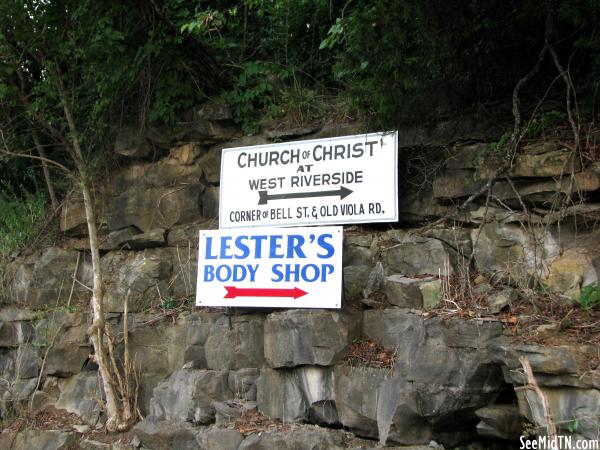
[(45, 74), (66, 70)]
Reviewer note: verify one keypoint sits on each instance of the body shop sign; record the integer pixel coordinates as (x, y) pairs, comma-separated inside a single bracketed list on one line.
[(270, 267)]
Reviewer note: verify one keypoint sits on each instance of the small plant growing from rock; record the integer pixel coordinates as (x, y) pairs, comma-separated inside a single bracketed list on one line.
[(590, 296)]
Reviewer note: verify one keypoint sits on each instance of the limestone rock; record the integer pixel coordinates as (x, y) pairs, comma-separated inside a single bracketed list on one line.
[(569, 406), (132, 142), (166, 347), (508, 250), (546, 360), (300, 337), (174, 173), (142, 277), (186, 236), (388, 326), (157, 434), (71, 347), (188, 396), (432, 294), (289, 394), (243, 383), (220, 439), (579, 182), (14, 392), (38, 439), (13, 334), (217, 112), (355, 280), (415, 293), (184, 154), (443, 372), (118, 237), (229, 411), (20, 363), (337, 129), (313, 439), (79, 395), (356, 394), (210, 202), (456, 237), (14, 314), (65, 360), (454, 129), (498, 300), (538, 148), (156, 207), (467, 156), (415, 207), (211, 164), (237, 347), (404, 292), (72, 218), (550, 164), (577, 263), (150, 239), (411, 255), (358, 249), (456, 184), (500, 421), (45, 280), (169, 172), (205, 131), (286, 134)]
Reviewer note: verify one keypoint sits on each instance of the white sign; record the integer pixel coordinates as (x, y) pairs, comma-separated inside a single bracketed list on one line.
[(352, 179), (270, 267)]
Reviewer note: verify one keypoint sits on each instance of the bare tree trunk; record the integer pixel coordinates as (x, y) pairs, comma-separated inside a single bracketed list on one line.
[(96, 332), (45, 169)]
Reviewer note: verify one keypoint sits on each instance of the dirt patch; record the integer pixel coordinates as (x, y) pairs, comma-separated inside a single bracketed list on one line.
[(368, 353), (256, 422), (47, 419)]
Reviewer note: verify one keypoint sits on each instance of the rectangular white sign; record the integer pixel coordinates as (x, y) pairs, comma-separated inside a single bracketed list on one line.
[(351, 179), (270, 267)]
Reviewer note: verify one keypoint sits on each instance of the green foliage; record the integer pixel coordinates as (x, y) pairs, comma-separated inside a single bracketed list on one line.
[(269, 44), (298, 104), (573, 426), (501, 149), (590, 296), (536, 128), (20, 218), (335, 35), (169, 303), (408, 60), (541, 122), (250, 94)]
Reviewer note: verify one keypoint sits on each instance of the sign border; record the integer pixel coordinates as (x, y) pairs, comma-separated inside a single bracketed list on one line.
[(348, 221), (335, 303)]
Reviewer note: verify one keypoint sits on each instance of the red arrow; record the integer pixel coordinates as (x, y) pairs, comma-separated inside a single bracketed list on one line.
[(233, 292)]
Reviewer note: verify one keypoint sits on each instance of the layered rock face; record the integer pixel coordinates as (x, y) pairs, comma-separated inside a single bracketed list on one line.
[(452, 378)]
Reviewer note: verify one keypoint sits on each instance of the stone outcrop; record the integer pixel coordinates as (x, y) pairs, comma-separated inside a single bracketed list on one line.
[(188, 394), (297, 337), (449, 381), (51, 279)]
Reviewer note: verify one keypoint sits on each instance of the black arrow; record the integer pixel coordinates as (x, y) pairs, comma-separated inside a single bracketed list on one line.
[(343, 192)]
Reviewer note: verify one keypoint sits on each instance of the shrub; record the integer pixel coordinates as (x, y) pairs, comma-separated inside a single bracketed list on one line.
[(590, 296), (20, 217)]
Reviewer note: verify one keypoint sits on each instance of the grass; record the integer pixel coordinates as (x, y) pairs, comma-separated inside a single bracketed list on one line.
[(590, 296), (19, 219)]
